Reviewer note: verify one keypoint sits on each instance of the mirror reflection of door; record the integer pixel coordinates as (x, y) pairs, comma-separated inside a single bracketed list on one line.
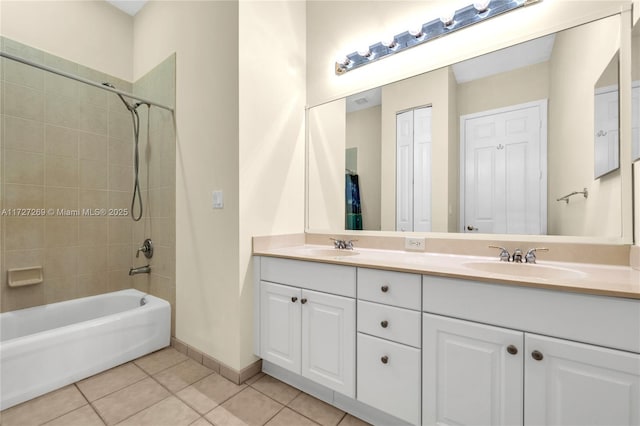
[(635, 120), (413, 170), (503, 163), (606, 156)]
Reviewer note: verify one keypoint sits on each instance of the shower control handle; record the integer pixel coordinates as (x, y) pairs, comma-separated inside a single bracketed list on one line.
[(146, 248)]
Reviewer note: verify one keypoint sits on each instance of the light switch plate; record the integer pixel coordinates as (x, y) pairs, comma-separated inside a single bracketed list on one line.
[(218, 199), (415, 244)]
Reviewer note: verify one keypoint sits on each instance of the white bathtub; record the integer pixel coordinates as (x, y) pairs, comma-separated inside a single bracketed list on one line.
[(46, 347)]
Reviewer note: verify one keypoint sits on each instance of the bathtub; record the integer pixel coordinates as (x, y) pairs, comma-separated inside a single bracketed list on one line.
[(47, 347)]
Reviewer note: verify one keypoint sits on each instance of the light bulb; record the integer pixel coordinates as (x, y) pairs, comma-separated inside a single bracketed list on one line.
[(343, 60), (416, 30), (447, 17), (389, 41), (365, 52), (481, 5)]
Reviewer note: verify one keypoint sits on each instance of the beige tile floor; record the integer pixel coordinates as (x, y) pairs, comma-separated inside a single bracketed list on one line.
[(168, 388)]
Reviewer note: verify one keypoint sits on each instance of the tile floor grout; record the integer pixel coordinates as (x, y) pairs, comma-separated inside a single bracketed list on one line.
[(227, 393)]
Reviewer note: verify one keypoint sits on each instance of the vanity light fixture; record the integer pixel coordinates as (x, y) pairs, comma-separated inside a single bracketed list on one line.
[(479, 11)]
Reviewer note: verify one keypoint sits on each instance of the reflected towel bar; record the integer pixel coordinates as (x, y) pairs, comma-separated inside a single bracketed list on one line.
[(584, 192)]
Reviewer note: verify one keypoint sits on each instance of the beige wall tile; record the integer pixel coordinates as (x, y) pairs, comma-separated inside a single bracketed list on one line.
[(61, 198), (22, 297), (162, 202), (120, 230), (92, 119), (120, 152), (120, 257), (23, 75), (60, 63), (93, 199), (92, 147), (23, 233), (119, 199), (92, 231), (93, 174), (92, 95), (162, 287), (61, 141), (119, 279), (61, 232), (23, 167), (21, 134), (120, 177), (61, 85), (23, 258), (23, 196), (61, 262), (61, 171), (61, 110), (92, 260), (90, 285), (120, 124), (22, 50), (59, 289), (163, 261), (21, 101)]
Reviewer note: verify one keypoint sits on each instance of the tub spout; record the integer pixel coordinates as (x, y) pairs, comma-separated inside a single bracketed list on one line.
[(141, 270)]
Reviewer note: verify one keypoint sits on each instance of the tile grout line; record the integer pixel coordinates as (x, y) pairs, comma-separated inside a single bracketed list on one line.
[(90, 404), (287, 404)]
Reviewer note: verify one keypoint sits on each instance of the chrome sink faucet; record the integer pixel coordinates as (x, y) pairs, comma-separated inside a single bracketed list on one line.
[(504, 253), (530, 257), (343, 244), (517, 256)]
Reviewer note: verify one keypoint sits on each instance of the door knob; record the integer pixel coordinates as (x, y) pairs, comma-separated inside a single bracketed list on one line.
[(471, 228)]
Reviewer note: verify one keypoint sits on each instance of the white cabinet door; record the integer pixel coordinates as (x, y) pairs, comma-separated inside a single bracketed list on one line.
[(469, 375), (328, 340), (280, 325), (576, 384)]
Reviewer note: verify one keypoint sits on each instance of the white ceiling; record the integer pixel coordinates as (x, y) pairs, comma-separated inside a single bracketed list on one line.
[(128, 6)]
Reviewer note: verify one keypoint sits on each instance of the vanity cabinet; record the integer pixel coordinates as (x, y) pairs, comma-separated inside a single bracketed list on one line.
[(309, 332), (389, 342), (476, 373)]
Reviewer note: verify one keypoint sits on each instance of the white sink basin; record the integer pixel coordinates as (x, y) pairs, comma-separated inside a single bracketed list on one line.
[(524, 270), (328, 252)]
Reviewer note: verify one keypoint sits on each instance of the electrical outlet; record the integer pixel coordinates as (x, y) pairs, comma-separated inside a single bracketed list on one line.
[(415, 244)]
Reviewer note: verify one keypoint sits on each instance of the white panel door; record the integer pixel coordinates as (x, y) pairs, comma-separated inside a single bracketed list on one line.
[(422, 170), (577, 384), (470, 377), (606, 155), (280, 325), (328, 340), (404, 171), (504, 171)]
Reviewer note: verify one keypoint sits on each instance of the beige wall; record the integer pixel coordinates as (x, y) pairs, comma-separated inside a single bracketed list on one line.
[(430, 89), (325, 166), (600, 214), (363, 132), (272, 136), (89, 32)]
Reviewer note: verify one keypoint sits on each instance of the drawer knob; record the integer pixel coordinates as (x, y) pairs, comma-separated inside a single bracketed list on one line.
[(294, 299), (384, 288), (512, 349), (384, 359), (303, 300), (384, 324), (537, 355)]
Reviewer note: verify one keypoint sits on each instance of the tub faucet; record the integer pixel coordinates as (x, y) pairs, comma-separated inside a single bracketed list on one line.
[(140, 270)]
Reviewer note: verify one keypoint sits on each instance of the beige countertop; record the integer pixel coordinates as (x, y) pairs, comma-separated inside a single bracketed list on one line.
[(606, 280)]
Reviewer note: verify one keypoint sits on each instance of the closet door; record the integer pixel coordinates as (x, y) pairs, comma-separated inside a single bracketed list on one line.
[(422, 170), (404, 171)]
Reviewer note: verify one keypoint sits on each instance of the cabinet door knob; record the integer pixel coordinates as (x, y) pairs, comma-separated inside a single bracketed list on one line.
[(512, 349), (537, 355), (384, 288), (294, 299), (384, 359), (303, 300), (384, 324)]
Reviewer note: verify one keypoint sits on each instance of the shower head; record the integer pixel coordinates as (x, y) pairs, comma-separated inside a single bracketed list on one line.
[(127, 104)]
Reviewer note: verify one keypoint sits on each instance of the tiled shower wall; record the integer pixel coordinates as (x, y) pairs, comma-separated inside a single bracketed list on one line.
[(67, 146)]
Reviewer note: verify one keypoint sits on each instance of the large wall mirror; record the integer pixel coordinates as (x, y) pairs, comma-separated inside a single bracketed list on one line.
[(635, 92), (501, 143)]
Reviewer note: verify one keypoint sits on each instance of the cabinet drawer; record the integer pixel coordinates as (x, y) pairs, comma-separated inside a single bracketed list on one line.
[(388, 322), (392, 386), (389, 287), (335, 279)]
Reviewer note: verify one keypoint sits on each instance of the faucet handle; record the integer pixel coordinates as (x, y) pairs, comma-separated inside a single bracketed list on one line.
[(517, 256), (349, 244), (504, 253), (530, 257), (146, 248), (337, 244)]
